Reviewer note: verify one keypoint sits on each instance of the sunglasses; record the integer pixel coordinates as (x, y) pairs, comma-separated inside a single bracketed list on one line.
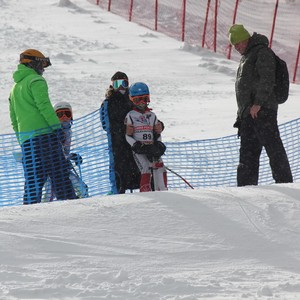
[(62, 113), (120, 83), (138, 100)]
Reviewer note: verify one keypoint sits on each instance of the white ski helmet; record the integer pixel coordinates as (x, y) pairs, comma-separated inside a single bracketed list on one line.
[(63, 105)]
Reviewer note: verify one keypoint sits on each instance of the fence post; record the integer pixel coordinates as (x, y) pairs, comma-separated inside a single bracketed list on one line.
[(109, 4), (156, 15), (183, 20), (215, 25), (233, 22), (130, 10), (205, 23), (274, 21), (97, 2), (296, 64)]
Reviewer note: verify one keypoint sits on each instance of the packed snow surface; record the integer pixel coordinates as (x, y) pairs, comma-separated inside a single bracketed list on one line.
[(212, 243)]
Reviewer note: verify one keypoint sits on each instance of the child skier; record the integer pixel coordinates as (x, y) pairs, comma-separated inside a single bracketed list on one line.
[(64, 113), (145, 139)]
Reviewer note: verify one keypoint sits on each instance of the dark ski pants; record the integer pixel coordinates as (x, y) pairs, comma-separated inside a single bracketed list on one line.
[(255, 134), (42, 157), (126, 173)]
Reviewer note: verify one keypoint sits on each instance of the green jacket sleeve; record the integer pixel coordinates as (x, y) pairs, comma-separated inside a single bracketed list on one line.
[(39, 90), (13, 118)]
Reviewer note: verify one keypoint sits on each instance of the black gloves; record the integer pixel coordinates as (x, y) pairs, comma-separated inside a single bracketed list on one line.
[(139, 148), (153, 150), (237, 125), (76, 158), (158, 149)]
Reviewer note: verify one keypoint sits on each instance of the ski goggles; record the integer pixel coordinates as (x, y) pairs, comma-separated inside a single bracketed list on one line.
[(61, 113), (138, 100), (120, 83), (45, 61)]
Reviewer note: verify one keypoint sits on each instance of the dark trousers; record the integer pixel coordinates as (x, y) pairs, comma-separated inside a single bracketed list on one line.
[(255, 134), (126, 171), (42, 157)]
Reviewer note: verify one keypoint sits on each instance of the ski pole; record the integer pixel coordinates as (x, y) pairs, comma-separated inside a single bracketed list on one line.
[(179, 177), (79, 176), (81, 181)]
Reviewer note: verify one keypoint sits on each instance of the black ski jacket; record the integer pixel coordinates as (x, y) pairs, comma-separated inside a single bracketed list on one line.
[(126, 171), (255, 79)]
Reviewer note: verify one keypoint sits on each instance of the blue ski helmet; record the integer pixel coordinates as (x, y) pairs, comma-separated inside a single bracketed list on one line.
[(138, 89)]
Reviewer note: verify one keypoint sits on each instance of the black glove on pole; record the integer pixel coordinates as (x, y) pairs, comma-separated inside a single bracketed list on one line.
[(76, 158)]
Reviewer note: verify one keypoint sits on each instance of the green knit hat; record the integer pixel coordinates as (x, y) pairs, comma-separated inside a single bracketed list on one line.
[(237, 34)]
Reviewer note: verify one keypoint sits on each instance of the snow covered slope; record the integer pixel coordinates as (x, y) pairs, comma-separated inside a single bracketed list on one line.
[(222, 243)]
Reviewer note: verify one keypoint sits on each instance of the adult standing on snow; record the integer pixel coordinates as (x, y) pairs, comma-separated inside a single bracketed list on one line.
[(257, 108), (124, 173), (38, 130)]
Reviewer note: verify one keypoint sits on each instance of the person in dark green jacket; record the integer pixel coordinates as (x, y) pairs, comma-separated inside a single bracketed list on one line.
[(257, 108), (38, 130)]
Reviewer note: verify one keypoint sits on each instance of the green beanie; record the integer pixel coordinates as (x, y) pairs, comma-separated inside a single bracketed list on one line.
[(237, 34)]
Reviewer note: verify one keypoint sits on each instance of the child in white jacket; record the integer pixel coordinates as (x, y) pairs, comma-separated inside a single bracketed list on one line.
[(64, 112), (143, 134)]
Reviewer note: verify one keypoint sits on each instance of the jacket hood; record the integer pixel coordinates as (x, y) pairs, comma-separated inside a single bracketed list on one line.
[(257, 39), (21, 72)]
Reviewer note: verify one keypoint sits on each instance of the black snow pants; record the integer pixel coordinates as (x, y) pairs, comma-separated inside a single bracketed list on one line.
[(126, 171), (255, 134), (43, 156)]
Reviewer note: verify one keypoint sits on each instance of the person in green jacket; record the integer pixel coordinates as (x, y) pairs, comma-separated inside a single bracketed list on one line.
[(38, 130)]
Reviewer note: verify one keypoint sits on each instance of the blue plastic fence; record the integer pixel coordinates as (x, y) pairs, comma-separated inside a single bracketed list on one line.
[(203, 163)]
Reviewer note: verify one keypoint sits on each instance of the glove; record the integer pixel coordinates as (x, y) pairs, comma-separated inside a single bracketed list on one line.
[(139, 148), (158, 149), (76, 158), (237, 123)]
